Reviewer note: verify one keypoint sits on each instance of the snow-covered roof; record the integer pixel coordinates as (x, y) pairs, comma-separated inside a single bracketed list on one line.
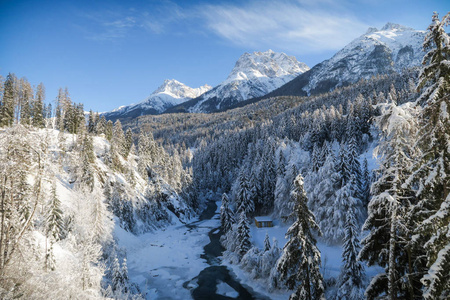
[(263, 219)]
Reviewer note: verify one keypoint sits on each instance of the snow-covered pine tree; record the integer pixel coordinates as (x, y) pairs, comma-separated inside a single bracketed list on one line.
[(283, 205), (243, 235), (266, 242), (128, 142), (343, 200), (145, 153), (299, 266), (432, 169), (54, 225), (226, 214), (37, 107), (100, 127), (118, 139), (244, 202), (281, 166), (365, 183), (388, 243), (26, 100), (323, 196), (351, 281), (85, 176), (269, 259), (8, 100), (91, 122), (124, 270), (315, 158), (118, 281), (342, 168), (109, 130), (354, 166)]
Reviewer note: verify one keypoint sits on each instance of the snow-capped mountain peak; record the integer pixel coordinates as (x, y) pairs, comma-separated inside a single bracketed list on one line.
[(265, 64), (394, 26), (391, 49), (170, 93), (179, 90), (254, 75)]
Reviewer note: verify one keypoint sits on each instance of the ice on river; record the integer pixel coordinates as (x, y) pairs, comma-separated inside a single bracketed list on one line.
[(161, 262), (226, 290)]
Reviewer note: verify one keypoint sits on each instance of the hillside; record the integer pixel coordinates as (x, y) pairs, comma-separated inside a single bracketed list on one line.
[(77, 192)]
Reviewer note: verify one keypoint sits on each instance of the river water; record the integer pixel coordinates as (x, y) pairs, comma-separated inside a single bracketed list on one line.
[(210, 277)]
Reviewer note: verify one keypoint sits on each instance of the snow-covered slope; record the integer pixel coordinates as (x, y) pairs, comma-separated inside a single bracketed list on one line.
[(254, 75), (170, 93), (391, 49)]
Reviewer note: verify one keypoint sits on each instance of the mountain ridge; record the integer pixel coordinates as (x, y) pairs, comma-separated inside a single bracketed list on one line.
[(393, 48), (254, 75), (170, 93)]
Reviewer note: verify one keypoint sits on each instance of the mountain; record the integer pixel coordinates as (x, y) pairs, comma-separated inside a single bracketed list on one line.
[(254, 75), (391, 49), (170, 93)]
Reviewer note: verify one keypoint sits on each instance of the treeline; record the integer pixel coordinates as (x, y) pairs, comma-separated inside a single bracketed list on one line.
[(21, 103)]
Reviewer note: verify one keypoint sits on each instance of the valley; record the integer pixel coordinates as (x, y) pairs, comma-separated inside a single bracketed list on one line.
[(347, 163)]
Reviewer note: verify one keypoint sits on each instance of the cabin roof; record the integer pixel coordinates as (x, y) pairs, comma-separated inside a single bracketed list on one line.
[(263, 219)]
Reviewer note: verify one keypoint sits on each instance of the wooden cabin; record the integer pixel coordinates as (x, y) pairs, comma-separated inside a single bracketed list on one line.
[(263, 222)]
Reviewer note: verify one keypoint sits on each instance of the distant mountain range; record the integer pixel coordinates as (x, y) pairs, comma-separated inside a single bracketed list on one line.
[(169, 94), (254, 75), (391, 49), (261, 75)]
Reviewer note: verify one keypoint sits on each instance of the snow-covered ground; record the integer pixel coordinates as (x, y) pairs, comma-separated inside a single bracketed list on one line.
[(161, 262), (330, 257)]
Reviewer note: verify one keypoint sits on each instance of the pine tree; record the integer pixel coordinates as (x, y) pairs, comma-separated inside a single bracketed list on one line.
[(299, 265), (365, 183), (86, 159), (9, 101), (125, 276), (243, 235), (354, 166), (91, 122), (432, 170), (101, 126), (352, 279), (315, 158), (117, 276), (266, 242), (323, 197), (388, 243), (109, 130), (54, 220), (226, 215), (342, 168), (38, 107), (146, 147), (281, 167), (26, 100), (54, 226), (128, 142), (243, 198), (118, 138)]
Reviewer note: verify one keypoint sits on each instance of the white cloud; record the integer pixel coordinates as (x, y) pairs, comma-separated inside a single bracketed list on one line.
[(300, 27), (115, 23)]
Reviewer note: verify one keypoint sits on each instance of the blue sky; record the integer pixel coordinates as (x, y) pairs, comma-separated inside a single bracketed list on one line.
[(112, 53)]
